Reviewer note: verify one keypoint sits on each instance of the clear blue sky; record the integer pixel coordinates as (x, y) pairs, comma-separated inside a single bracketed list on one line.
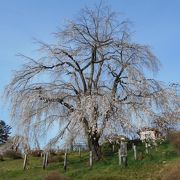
[(155, 22)]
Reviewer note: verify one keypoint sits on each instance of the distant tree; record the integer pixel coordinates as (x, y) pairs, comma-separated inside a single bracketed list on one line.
[(93, 81), (4, 132)]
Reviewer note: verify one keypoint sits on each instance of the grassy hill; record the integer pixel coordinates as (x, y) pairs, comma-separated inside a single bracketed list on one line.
[(162, 163)]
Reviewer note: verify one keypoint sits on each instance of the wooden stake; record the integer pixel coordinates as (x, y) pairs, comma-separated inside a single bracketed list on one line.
[(135, 152), (124, 159), (90, 159), (123, 153), (80, 152), (25, 162), (44, 161), (65, 161), (146, 145), (119, 156), (113, 148)]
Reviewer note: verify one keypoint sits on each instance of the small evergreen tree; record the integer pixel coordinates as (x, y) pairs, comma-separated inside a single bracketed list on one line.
[(4, 132)]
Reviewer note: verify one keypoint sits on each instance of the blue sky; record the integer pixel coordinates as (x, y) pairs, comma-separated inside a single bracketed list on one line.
[(155, 22)]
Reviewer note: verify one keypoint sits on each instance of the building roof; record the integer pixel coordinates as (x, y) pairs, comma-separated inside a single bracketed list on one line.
[(148, 129)]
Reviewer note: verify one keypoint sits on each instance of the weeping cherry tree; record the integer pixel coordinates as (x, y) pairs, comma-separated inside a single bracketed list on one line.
[(92, 80)]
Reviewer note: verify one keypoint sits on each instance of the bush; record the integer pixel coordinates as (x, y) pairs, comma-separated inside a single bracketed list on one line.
[(107, 149), (60, 152), (52, 152), (57, 158), (174, 139), (136, 142), (140, 156), (55, 176), (1, 158), (36, 153), (13, 154)]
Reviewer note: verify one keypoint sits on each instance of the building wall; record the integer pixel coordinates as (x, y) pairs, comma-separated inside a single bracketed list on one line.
[(147, 135)]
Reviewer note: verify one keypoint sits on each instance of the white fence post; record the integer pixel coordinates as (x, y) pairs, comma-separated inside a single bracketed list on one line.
[(90, 159), (135, 151), (146, 146), (113, 148), (44, 161), (119, 156), (65, 161), (123, 153), (25, 162), (80, 152)]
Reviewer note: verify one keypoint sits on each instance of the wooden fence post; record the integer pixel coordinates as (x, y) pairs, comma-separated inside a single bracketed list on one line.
[(65, 161), (124, 158), (123, 153), (80, 152), (25, 162), (90, 159), (135, 151), (119, 156), (113, 148), (44, 161), (146, 146)]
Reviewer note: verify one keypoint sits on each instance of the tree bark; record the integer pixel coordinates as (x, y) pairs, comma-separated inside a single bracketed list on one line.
[(93, 140), (97, 151), (93, 143)]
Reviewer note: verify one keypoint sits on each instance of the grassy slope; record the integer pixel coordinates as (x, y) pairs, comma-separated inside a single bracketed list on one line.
[(153, 166)]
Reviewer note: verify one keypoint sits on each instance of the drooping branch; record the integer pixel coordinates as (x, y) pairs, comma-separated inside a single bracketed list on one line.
[(94, 78), (59, 100)]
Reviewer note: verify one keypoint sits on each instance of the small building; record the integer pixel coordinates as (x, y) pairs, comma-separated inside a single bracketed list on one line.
[(116, 139), (82, 146), (147, 133)]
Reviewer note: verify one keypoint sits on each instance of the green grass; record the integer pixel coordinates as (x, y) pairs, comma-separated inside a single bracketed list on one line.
[(150, 167)]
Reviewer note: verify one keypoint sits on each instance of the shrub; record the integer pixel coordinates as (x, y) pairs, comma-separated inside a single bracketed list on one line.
[(107, 149), (36, 153), (57, 158), (55, 176), (60, 152), (53, 152), (174, 139), (136, 142), (1, 158), (140, 156), (13, 154)]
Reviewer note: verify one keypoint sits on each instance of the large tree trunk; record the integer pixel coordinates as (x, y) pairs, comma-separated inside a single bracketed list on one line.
[(93, 143), (93, 140), (96, 149)]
